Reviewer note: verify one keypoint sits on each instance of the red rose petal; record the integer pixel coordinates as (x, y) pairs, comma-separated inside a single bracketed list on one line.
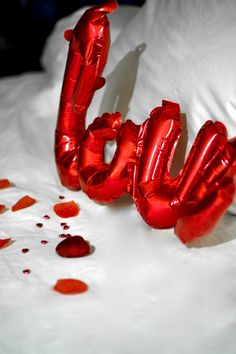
[(23, 203), (74, 246), (2, 208), (65, 235), (67, 209), (44, 242), (66, 227), (70, 286), (46, 217), (26, 271), (4, 242), (5, 183)]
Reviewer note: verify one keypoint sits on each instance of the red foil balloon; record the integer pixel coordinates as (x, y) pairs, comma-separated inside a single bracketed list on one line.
[(193, 201), (87, 57), (100, 181), (152, 185)]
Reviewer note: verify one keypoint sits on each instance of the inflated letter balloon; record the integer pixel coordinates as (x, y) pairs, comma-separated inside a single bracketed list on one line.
[(87, 57), (204, 188), (193, 201)]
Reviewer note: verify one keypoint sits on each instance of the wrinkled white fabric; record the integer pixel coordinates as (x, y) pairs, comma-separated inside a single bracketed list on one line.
[(148, 293)]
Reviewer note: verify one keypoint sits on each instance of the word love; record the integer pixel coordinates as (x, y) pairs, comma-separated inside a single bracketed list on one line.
[(193, 201)]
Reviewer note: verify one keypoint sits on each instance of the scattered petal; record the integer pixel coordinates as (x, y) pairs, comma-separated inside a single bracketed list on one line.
[(67, 209), (66, 227), (44, 242), (25, 250), (26, 271), (2, 208), (74, 246), (70, 286), (5, 183), (61, 197), (46, 217), (4, 242), (22, 203), (65, 235), (39, 224)]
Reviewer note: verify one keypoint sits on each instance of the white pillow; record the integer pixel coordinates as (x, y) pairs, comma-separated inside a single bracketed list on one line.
[(187, 54)]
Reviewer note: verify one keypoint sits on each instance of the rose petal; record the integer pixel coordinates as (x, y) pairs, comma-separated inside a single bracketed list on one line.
[(74, 246), (70, 286), (4, 242), (2, 208), (26, 271), (5, 183), (24, 202), (67, 209)]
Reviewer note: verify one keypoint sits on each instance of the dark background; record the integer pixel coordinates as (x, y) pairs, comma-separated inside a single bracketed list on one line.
[(25, 25)]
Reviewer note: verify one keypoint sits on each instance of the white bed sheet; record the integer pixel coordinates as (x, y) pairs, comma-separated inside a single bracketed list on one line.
[(148, 293)]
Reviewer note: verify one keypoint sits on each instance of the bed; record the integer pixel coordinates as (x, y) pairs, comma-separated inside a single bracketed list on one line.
[(148, 292)]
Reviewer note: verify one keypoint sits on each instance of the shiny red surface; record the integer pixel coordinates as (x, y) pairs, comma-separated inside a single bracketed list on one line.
[(100, 181), (198, 196), (193, 201), (87, 57)]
